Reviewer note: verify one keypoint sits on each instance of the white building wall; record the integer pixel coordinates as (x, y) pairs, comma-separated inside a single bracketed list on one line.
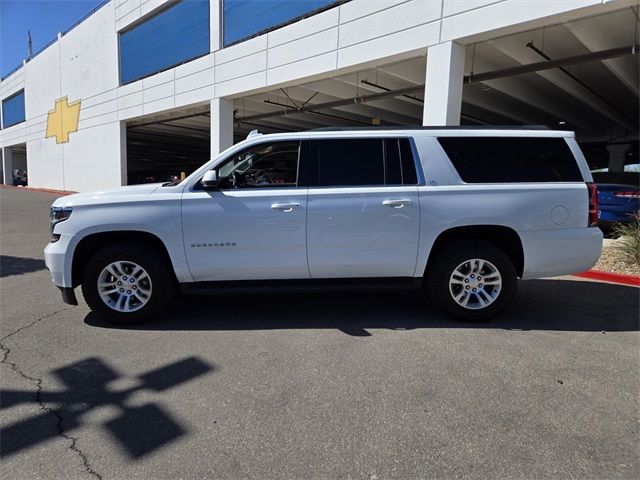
[(10, 85), (83, 65), (96, 144), (476, 18), (45, 163)]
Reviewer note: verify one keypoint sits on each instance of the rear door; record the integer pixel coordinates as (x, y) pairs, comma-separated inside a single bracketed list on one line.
[(362, 210)]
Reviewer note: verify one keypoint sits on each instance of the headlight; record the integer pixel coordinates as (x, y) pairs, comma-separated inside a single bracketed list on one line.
[(57, 215)]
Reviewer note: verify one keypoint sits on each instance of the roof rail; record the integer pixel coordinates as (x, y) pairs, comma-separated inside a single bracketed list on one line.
[(439, 127)]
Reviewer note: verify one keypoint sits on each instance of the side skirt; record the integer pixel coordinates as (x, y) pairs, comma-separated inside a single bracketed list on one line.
[(302, 285)]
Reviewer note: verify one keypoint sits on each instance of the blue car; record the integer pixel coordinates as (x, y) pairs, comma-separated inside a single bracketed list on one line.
[(617, 203)]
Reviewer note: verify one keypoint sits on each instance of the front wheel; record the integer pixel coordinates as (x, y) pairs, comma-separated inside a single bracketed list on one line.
[(472, 280), (126, 283)]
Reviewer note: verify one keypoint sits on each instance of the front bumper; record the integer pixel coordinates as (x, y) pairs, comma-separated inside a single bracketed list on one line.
[(57, 258), (68, 296)]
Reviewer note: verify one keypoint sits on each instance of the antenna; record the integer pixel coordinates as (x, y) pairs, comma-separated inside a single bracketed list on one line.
[(29, 46)]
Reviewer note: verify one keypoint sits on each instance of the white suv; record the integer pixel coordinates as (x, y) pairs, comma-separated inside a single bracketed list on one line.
[(460, 212)]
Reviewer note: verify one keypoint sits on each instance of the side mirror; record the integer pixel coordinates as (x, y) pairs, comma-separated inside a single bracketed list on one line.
[(210, 180)]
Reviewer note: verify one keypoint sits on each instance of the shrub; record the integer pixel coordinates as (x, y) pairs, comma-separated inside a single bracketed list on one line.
[(629, 242)]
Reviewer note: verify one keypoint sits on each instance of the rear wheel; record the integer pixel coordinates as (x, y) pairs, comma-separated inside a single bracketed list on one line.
[(128, 283), (472, 280)]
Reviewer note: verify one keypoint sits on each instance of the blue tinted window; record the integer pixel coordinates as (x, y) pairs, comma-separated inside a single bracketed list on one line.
[(246, 18), (13, 110), (172, 37)]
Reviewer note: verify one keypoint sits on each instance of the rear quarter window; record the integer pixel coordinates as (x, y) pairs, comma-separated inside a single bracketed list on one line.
[(511, 159)]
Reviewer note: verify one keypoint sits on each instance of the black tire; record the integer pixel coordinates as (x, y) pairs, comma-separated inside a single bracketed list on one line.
[(449, 259), (164, 285)]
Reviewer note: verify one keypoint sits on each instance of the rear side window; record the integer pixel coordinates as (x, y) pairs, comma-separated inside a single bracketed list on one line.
[(357, 162), (511, 160), (400, 167), (350, 162), (392, 166)]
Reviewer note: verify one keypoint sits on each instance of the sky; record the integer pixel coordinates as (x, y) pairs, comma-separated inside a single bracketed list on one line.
[(44, 18)]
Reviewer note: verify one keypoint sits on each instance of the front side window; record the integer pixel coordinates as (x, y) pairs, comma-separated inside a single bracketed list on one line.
[(266, 165), (13, 109), (174, 36)]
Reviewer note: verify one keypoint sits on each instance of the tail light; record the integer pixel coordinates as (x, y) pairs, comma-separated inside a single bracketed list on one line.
[(593, 204), (628, 194)]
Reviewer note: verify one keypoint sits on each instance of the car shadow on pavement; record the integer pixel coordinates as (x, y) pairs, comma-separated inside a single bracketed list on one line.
[(139, 430), (565, 305), (18, 265)]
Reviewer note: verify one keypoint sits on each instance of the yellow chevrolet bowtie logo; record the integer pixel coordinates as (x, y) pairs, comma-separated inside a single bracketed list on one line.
[(63, 120)]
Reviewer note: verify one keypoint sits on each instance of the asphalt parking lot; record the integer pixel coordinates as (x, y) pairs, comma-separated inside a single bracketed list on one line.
[(340, 386)]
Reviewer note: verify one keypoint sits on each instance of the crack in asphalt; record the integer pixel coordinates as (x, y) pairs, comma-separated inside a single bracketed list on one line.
[(33, 323), (38, 384)]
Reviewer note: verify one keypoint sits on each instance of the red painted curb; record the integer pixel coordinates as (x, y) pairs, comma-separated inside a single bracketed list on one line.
[(41, 190), (620, 278)]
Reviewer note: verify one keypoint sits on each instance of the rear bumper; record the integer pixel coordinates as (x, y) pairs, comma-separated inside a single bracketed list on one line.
[(549, 253)]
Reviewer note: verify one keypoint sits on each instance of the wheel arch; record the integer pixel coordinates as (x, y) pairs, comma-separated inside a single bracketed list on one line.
[(95, 241), (505, 238)]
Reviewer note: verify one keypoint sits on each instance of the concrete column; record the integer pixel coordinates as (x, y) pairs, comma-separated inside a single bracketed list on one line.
[(617, 155), (215, 25), (7, 166), (124, 165), (443, 89), (221, 125)]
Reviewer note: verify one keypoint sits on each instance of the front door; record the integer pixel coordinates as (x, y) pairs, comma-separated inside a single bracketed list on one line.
[(253, 227)]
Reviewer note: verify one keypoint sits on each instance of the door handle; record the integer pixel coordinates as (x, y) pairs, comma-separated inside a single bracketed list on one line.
[(397, 203), (285, 207)]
